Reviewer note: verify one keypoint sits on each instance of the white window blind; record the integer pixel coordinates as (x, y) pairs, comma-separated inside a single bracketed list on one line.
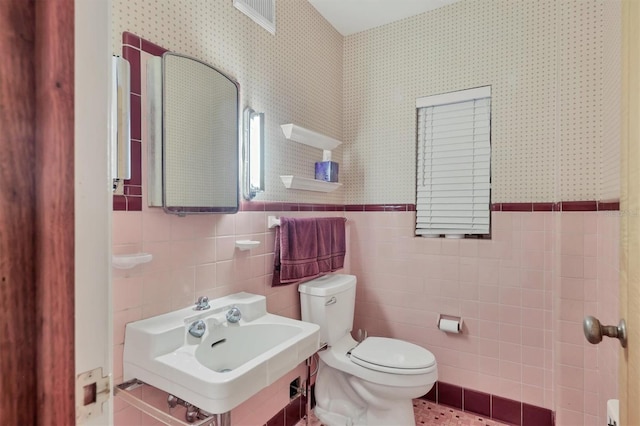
[(454, 163)]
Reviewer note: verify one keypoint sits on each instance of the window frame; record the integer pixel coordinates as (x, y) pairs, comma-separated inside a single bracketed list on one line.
[(446, 99)]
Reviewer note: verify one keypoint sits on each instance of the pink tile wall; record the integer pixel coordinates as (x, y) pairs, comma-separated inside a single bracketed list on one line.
[(587, 375), (522, 295), (501, 287), (193, 256)]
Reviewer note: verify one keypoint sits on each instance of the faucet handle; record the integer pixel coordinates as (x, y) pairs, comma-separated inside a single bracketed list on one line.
[(234, 315), (202, 303), (197, 328)]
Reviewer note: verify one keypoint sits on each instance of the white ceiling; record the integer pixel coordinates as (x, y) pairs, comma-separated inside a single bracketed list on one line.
[(353, 16)]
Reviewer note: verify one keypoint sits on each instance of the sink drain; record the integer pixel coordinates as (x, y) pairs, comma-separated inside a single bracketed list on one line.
[(224, 370)]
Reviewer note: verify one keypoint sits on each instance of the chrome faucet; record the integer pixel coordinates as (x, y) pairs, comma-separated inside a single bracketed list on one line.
[(197, 328), (202, 304), (234, 315)]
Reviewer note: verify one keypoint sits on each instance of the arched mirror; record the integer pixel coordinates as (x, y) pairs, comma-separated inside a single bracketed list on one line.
[(194, 149)]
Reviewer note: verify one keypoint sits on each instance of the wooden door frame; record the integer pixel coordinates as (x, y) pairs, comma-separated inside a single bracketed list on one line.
[(629, 382), (36, 212)]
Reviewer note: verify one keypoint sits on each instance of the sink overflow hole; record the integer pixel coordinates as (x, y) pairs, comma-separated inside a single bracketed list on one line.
[(218, 342)]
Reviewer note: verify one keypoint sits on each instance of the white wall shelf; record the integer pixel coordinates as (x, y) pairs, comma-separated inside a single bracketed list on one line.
[(309, 137), (305, 184), (316, 140)]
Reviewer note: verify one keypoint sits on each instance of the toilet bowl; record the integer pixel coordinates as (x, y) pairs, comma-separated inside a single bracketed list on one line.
[(368, 383)]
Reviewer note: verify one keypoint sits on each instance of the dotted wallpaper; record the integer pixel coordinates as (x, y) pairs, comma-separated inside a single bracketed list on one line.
[(294, 76), (553, 67), (612, 106), (544, 61)]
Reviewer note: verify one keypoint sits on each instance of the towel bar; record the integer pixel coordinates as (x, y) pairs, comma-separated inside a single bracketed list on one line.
[(273, 221)]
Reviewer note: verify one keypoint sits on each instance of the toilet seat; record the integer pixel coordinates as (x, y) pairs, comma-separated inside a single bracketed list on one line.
[(336, 357), (392, 356)]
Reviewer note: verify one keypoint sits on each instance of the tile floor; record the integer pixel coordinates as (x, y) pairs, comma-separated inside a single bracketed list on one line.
[(431, 414)]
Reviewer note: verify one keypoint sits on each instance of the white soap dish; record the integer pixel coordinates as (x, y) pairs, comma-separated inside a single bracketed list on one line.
[(247, 244), (128, 261)]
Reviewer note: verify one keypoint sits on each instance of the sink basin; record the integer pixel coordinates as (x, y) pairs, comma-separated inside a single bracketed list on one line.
[(229, 363)]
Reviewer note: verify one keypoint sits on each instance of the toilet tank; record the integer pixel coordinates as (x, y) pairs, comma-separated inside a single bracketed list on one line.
[(329, 301)]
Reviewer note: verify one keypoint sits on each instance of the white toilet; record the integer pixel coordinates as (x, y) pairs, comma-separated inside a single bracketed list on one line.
[(371, 383)]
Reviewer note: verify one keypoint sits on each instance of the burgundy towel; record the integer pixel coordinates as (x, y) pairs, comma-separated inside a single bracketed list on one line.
[(308, 247), (338, 243), (331, 243)]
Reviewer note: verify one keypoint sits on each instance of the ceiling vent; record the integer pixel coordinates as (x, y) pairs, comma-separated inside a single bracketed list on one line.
[(262, 12)]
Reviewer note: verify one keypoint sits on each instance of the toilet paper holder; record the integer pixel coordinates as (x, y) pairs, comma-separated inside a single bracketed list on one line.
[(450, 323)]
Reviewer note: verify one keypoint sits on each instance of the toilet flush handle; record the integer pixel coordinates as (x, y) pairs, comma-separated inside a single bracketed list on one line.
[(331, 301)]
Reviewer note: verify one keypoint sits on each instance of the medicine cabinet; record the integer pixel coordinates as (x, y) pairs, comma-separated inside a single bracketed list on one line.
[(193, 141)]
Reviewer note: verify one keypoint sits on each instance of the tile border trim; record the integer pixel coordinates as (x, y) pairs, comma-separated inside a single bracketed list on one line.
[(132, 46), (490, 406), (563, 206)]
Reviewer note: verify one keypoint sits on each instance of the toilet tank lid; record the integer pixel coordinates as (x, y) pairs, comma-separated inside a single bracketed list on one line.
[(328, 284)]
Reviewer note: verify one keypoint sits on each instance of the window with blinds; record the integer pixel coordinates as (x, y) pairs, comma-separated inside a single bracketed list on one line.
[(454, 163)]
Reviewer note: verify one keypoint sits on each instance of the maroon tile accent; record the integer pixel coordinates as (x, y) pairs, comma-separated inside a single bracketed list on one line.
[(354, 208), (560, 206), (543, 207), (277, 420), (512, 207), (130, 39), (608, 205), (133, 56), (536, 416), (136, 158), (293, 412), (270, 206), (450, 395), (517, 207), (252, 206), (579, 206), (506, 410), (289, 207), (134, 204), (432, 395), (133, 190), (119, 202), (477, 402), (152, 48), (136, 119), (395, 208)]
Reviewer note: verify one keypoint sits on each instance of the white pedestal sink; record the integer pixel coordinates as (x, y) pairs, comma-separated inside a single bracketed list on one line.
[(229, 363)]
